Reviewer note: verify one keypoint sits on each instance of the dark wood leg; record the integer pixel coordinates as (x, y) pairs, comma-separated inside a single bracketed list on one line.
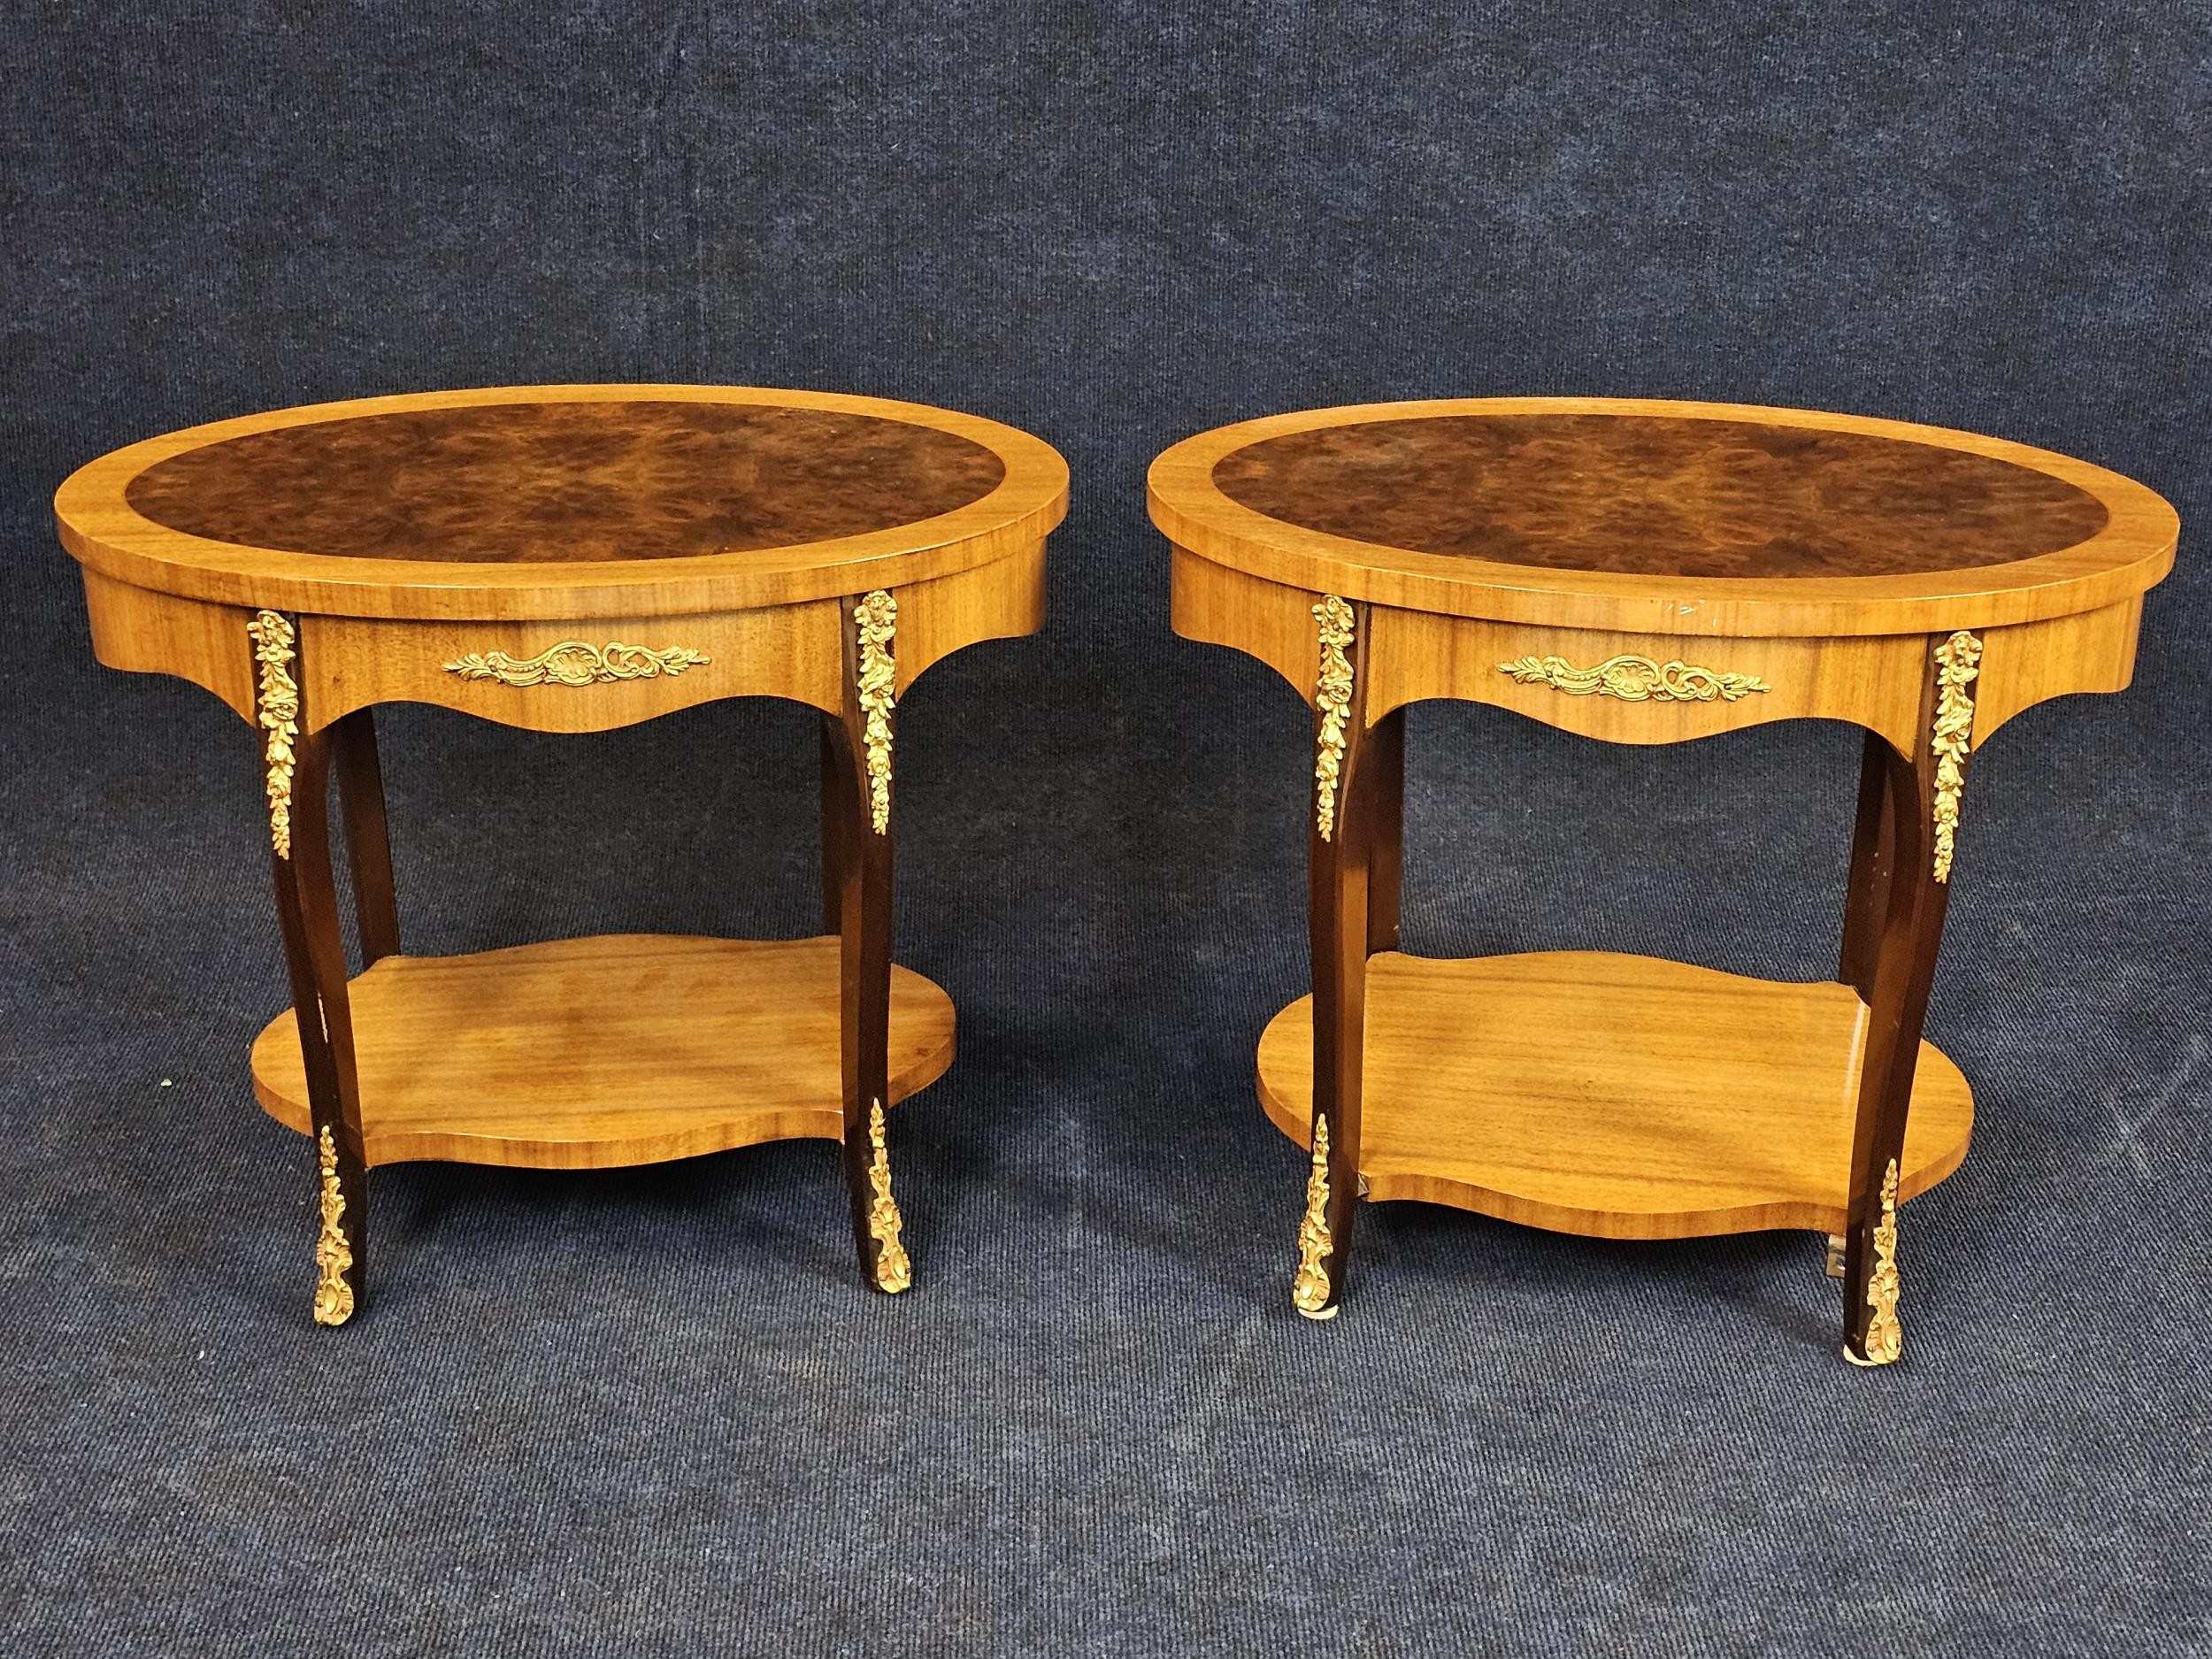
[(1873, 857), (1340, 828), (1902, 970), (1383, 792), (858, 844), (314, 954), (838, 813), (368, 838), (1867, 900)]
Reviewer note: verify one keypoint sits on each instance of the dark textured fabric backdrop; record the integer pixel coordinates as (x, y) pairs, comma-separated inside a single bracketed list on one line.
[(651, 1412)]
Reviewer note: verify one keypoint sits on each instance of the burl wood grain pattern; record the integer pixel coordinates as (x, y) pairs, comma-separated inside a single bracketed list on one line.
[(567, 482), (1638, 495), (1646, 516), (1689, 1102), (593, 1053), (564, 504)]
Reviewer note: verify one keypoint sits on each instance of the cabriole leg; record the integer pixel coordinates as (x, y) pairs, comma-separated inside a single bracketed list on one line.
[(296, 770), (1920, 798), (857, 827), (1342, 829)]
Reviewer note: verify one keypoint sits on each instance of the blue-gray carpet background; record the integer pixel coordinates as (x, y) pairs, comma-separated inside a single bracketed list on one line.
[(652, 1411)]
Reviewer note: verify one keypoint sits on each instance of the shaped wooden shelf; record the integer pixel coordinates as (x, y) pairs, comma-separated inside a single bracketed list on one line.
[(1617, 1096), (592, 1053)]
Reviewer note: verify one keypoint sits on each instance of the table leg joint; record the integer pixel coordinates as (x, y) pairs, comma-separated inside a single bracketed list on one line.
[(875, 619), (1958, 663), (277, 703), (1333, 702)]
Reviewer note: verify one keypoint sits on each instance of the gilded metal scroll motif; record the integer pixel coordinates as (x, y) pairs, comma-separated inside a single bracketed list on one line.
[(1635, 679), (1310, 1291), (334, 1297), (894, 1272), (1884, 1337), (578, 663), (877, 616), (279, 716), (1958, 663), (1332, 695)]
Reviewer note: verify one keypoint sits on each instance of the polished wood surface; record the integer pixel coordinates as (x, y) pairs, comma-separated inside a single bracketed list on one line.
[(792, 651), (1870, 680), (1688, 1103), (142, 632), (1660, 495), (570, 560), (320, 1029), (1342, 927), (857, 864), (1873, 862), (488, 543), (368, 835), (2023, 666), (590, 1053), (1660, 529), (1907, 929), (1383, 791), (567, 482), (1646, 572)]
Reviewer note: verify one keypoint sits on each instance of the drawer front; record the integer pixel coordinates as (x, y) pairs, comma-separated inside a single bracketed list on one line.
[(1646, 687), (575, 675)]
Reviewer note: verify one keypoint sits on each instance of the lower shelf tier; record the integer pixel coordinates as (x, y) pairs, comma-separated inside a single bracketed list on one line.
[(1620, 1097), (593, 1053)]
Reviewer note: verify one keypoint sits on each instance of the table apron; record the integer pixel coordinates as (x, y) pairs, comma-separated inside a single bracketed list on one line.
[(561, 674), (1633, 687), (142, 632)]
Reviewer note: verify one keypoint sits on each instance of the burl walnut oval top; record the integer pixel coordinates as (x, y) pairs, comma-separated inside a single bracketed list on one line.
[(1647, 495), (507, 482), (575, 500), (1689, 518)]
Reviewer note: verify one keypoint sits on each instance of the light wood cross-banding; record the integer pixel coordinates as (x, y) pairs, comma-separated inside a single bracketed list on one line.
[(1643, 573), (572, 558)]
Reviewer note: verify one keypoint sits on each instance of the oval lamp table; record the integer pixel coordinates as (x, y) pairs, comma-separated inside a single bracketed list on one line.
[(572, 559), (1643, 573)]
